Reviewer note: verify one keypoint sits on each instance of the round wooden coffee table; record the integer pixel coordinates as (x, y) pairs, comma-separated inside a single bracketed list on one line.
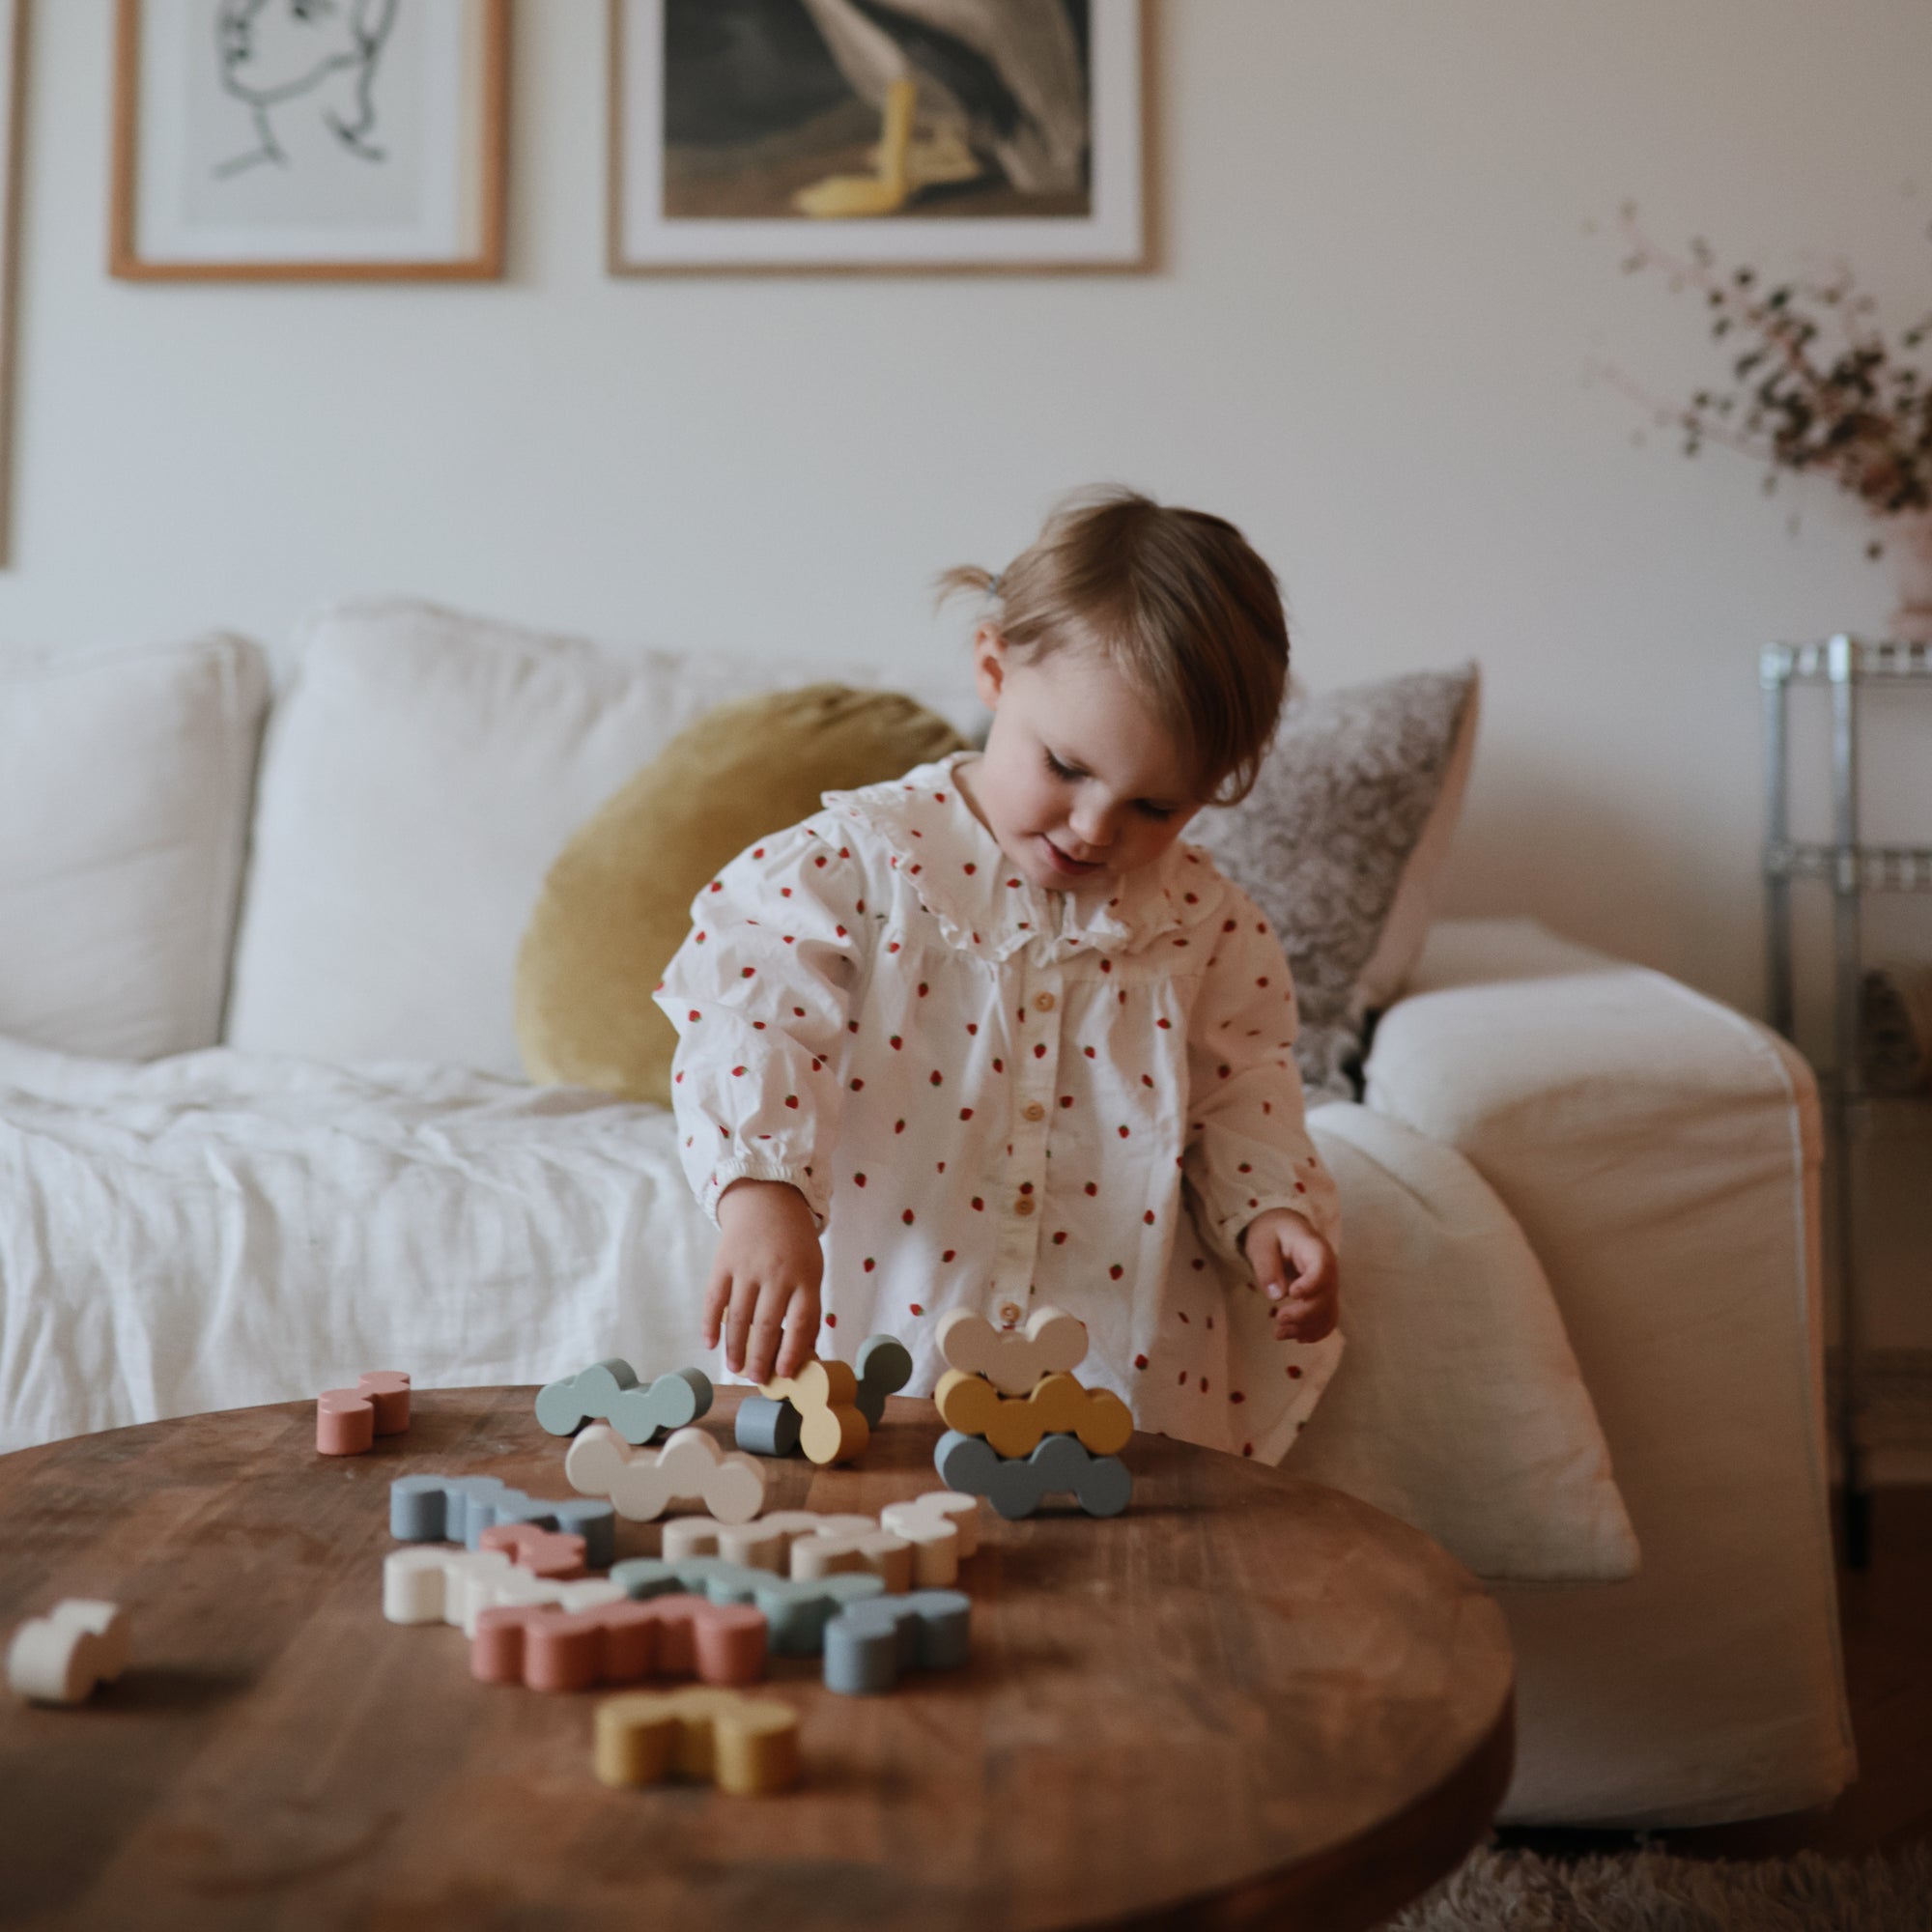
[(1250, 1700)]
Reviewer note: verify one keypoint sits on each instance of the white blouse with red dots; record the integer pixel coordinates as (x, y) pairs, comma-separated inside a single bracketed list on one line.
[(997, 1096)]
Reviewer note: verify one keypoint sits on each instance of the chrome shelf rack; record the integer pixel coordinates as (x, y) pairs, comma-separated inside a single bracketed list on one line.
[(1851, 869)]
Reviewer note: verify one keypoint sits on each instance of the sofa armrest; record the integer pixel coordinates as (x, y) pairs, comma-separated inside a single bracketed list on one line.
[(1661, 1153)]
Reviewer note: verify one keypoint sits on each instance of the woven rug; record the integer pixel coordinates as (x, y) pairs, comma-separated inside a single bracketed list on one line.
[(1652, 1892)]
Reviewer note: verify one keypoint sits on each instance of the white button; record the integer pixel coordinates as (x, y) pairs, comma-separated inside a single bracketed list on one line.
[(1034, 1111), (1009, 1312), (1042, 1003)]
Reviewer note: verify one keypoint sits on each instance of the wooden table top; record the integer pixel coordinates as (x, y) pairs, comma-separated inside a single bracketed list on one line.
[(1249, 1700)]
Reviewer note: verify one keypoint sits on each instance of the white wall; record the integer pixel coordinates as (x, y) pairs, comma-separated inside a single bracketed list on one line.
[(1368, 344)]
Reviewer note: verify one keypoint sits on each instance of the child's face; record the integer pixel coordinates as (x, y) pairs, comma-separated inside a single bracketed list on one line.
[(1079, 780)]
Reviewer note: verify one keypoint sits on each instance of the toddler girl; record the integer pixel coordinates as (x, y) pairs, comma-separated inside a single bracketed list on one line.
[(990, 1035)]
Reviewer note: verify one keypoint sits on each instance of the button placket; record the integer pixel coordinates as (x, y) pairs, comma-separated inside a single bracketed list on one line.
[(1037, 1006)]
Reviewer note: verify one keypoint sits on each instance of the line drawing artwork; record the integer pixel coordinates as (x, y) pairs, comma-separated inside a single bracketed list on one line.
[(319, 56)]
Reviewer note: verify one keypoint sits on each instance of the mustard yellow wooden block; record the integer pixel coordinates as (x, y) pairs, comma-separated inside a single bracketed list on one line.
[(746, 1745), (1014, 1425), (832, 1428)]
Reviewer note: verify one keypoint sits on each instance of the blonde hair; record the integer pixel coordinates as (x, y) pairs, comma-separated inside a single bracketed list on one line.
[(1177, 599)]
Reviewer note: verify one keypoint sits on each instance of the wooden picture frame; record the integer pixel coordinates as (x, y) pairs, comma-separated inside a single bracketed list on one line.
[(248, 148), (899, 159), (12, 114)]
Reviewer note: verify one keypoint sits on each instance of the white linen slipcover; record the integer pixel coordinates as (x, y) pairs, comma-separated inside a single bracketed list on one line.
[(421, 772), (1662, 1153)]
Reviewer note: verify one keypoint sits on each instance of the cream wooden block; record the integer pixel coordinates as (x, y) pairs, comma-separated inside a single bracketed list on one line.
[(943, 1527), (1014, 1360), (426, 1583), (872, 1549), (757, 1545), (832, 1428), (642, 1484), (423, 1582), (59, 1658), (521, 1591)]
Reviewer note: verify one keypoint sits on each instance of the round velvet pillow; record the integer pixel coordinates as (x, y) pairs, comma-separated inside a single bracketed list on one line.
[(617, 902)]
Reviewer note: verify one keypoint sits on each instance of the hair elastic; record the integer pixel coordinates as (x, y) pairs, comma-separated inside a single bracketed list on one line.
[(993, 584)]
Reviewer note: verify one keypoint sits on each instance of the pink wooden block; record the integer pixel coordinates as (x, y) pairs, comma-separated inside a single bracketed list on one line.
[(543, 1552), (348, 1421), (388, 1394), (619, 1644)]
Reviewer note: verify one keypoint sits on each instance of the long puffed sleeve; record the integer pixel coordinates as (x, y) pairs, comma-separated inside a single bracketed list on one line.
[(1248, 1148), (760, 993)]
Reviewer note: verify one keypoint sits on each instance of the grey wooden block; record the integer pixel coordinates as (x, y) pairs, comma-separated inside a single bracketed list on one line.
[(767, 1427), (459, 1509), (594, 1519), (870, 1646), (608, 1391), (1016, 1485), (883, 1367), (796, 1612)]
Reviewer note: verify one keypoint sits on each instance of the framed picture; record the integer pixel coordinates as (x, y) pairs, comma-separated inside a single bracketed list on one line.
[(12, 80), (876, 134), (259, 140)]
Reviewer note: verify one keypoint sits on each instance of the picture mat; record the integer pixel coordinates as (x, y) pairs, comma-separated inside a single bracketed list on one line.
[(1112, 236), (441, 47)]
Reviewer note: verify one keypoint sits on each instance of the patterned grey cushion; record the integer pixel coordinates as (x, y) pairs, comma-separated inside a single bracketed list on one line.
[(1324, 839)]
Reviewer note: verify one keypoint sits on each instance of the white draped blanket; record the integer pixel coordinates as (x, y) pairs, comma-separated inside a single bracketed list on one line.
[(221, 1229)]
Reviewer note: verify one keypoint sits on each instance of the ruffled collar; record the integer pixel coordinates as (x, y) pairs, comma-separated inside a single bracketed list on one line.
[(983, 905)]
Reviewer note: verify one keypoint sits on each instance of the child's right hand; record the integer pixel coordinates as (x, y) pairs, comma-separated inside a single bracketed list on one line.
[(765, 1280)]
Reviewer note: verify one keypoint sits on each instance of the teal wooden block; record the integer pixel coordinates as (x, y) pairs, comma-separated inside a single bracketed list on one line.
[(608, 1391)]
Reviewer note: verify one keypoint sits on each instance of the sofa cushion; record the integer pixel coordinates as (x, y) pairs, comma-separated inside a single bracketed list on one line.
[(124, 787), (419, 777), (617, 903), (1341, 844)]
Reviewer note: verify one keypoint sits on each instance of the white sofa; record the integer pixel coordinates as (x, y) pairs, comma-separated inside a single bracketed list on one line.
[(244, 1154)]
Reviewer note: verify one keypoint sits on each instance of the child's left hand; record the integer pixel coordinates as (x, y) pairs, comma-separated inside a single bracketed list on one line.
[(1296, 1269)]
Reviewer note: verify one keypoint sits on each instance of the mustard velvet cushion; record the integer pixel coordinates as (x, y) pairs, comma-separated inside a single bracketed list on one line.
[(617, 904)]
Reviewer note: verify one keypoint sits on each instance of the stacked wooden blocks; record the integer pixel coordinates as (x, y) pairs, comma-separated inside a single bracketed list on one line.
[(1019, 1426)]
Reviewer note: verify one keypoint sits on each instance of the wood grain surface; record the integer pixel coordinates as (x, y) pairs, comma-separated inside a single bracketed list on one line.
[(1249, 1700)]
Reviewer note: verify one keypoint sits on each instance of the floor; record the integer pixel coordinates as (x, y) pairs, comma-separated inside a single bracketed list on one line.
[(1886, 1616)]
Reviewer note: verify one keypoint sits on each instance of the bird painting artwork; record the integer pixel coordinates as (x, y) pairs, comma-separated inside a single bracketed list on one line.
[(865, 110)]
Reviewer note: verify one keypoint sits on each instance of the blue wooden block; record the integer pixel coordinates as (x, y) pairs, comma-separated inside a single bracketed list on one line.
[(796, 1611), (1016, 1485), (883, 1367), (767, 1427), (459, 1509), (608, 1391), (870, 1646)]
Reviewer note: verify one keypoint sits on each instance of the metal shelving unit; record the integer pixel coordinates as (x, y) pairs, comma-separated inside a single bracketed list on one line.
[(1851, 869)]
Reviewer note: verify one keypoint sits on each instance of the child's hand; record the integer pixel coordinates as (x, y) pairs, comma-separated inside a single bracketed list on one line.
[(765, 1280), (1296, 1269)]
